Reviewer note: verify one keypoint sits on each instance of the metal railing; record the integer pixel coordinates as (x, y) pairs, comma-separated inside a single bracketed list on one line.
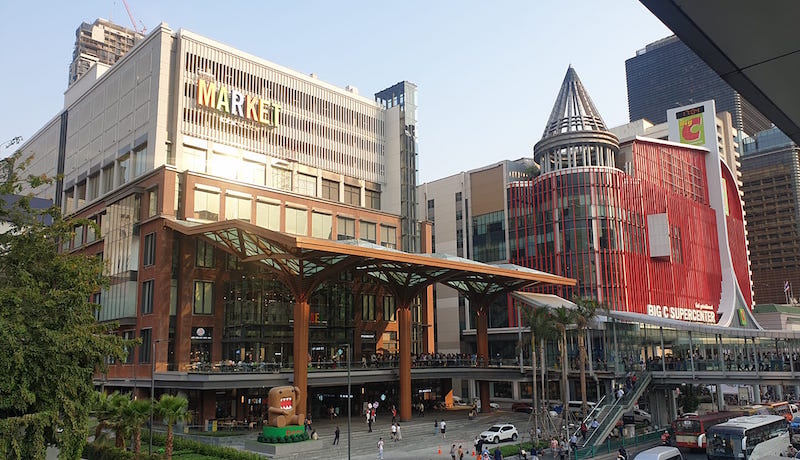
[(612, 412)]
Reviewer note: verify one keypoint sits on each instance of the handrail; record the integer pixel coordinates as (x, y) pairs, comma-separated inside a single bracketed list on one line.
[(617, 408)]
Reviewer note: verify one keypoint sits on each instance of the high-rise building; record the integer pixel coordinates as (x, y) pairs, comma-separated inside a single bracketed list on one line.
[(667, 74), (101, 41), (771, 176)]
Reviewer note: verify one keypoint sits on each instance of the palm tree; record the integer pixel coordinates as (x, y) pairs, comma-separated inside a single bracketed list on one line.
[(540, 322), (586, 310), (172, 409), (563, 317), (134, 416), (108, 409)]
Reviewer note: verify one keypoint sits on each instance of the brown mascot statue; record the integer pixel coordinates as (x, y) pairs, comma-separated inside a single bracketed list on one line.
[(282, 407)]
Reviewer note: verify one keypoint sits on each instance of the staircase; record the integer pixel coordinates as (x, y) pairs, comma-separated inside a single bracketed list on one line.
[(609, 414)]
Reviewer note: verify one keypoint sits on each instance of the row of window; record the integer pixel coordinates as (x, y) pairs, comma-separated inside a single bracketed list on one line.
[(296, 220)]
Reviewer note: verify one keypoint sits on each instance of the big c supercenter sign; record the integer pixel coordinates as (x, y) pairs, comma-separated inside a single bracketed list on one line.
[(232, 102), (691, 128)]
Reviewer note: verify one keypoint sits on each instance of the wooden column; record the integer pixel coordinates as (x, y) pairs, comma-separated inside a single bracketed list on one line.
[(300, 352), (404, 337), (482, 337)]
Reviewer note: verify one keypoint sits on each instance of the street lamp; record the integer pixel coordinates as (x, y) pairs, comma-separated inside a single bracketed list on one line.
[(152, 391), (349, 396)]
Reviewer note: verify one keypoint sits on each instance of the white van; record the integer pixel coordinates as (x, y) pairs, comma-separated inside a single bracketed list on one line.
[(660, 453), (575, 407)]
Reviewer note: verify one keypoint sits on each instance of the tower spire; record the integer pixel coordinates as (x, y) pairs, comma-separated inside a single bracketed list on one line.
[(573, 110)]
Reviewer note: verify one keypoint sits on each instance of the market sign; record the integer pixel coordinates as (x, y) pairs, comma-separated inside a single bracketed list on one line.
[(690, 126), (232, 102)]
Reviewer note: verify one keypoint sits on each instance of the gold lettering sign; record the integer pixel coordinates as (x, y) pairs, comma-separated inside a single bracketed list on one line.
[(232, 102)]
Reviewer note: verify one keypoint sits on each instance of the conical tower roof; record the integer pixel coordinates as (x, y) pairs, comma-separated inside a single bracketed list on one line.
[(573, 110)]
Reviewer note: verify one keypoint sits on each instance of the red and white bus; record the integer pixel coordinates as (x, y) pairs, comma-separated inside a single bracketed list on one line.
[(690, 429)]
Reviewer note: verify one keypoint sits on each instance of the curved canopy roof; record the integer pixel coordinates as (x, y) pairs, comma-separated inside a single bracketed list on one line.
[(303, 263)]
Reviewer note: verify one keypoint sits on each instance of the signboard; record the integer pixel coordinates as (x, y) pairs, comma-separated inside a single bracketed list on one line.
[(691, 127), (232, 102), (701, 313), (201, 333)]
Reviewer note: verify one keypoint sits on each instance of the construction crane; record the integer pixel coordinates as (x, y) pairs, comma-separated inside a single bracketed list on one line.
[(12, 141), (141, 30)]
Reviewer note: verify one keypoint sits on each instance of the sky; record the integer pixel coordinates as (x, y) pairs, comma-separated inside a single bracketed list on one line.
[(487, 73)]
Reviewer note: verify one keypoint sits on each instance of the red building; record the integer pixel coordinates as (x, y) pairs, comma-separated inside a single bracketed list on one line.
[(635, 223)]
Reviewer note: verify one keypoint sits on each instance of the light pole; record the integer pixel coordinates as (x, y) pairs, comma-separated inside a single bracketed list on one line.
[(152, 392), (349, 397)]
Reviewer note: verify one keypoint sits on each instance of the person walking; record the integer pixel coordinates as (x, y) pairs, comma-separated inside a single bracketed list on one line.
[(497, 454), (435, 427), (380, 449), (394, 432), (336, 437), (460, 453), (369, 421), (453, 452), (399, 434), (554, 447), (443, 428)]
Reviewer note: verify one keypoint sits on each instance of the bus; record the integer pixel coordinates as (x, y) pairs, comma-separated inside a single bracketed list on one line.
[(748, 438), (784, 409), (690, 429)]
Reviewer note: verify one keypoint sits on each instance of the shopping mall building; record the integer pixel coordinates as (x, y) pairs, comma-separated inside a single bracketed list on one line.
[(254, 221)]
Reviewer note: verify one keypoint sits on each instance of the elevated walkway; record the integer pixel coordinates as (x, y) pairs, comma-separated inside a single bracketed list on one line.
[(608, 415)]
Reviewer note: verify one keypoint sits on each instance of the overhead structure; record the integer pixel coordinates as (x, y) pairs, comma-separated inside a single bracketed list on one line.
[(140, 29), (304, 263), (752, 45)]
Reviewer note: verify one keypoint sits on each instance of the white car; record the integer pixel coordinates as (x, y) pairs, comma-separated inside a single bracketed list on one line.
[(500, 432)]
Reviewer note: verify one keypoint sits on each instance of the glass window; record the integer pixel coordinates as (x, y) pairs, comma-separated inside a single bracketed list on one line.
[(152, 202), (108, 178), (223, 165), (78, 236), (147, 297), (367, 232), (80, 194), (330, 190), (373, 199), (268, 215), (206, 205), (204, 255), (253, 173), (93, 187), (389, 308), (345, 228), (91, 235), (297, 221), (149, 253), (128, 335), (124, 169), (203, 297), (321, 225), (352, 195), (140, 160), (368, 307), (194, 159), (144, 348), (306, 185), (281, 178), (237, 208), (389, 236)]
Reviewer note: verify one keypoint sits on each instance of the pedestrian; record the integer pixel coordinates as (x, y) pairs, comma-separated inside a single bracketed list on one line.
[(485, 454), (442, 428), (534, 452), (453, 452), (562, 450), (380, 448), (399, 433), (394, 432), (573, 442), (554, 447), (394, 414), (421, 409), (460, 453), (584, 430), (369, 422), (497, 454), (336, 437), (435, 427)]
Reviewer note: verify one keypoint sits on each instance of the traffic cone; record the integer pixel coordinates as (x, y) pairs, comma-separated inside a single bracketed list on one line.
[(440, 450), (474, 454)]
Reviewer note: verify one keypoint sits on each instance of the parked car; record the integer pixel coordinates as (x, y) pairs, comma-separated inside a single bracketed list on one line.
[(500, 432), (492, 405), (522, 407), (660, 453)]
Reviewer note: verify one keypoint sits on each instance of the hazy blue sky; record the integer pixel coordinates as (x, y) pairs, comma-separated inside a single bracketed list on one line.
[(487, 72)]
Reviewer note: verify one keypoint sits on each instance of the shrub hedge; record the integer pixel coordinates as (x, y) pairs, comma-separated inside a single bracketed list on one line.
[(226, 453)]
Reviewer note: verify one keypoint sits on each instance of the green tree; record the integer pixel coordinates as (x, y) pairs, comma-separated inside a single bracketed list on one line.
[(563, 317), (51, 343), (109, 409), (540, 322), (585, 312), (134, 415), (172, 409)]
